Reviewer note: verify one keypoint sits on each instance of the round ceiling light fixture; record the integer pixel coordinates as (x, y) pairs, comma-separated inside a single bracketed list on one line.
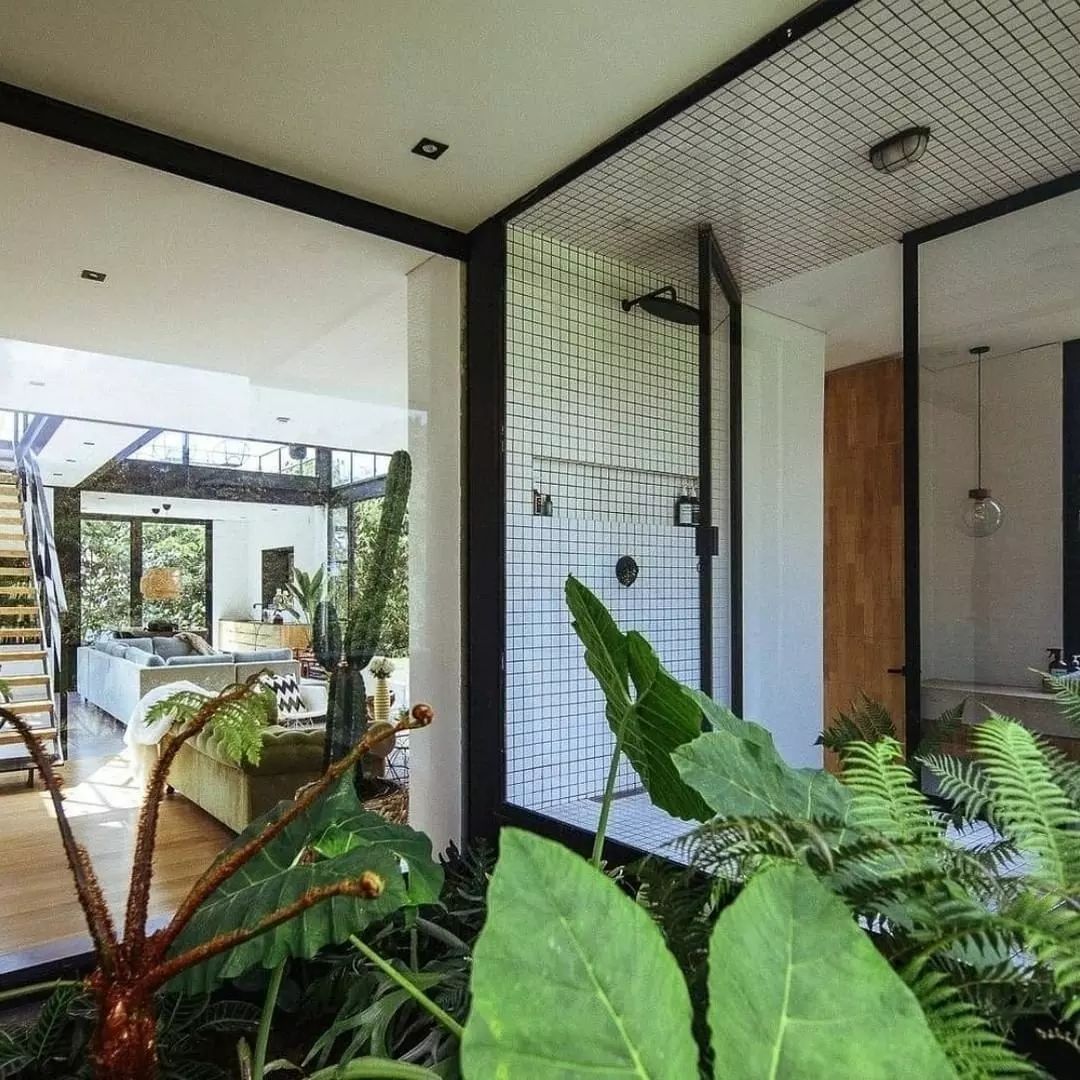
[(900, 150)]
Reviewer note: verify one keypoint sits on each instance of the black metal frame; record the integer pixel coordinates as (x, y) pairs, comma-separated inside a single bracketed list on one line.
[(92, 130), (911, 243), (712, 266), (1070, 493)]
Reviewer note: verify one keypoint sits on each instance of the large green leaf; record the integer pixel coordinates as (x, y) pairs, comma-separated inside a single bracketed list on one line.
[(741, 776), (336, 839), (797, 990), (571, 978), (662, 716)]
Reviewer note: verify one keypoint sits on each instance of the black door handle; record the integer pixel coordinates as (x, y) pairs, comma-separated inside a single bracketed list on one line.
[(897, 671)]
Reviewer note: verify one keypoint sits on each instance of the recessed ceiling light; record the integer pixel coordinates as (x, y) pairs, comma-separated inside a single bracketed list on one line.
[(88, 443), (283, 419), (36, 382), (900, 150), (70, 460), (94, 275), (430, 148), (58, 474)]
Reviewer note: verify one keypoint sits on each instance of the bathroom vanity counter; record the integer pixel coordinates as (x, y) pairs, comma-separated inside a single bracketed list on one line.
[(1032, 706)]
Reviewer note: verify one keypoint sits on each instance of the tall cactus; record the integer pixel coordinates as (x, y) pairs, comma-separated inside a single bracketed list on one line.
[(345, 655)]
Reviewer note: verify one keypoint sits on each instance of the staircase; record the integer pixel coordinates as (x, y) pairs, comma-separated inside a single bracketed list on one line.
[(24, 658)]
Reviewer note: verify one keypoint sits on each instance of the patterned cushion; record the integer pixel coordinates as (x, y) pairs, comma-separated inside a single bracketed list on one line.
[(287, 691)]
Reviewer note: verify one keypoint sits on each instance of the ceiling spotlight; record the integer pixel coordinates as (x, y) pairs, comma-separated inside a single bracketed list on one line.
[(36, 382), (93, 275), (86, 442), (166, 506), (430, 148), (155, 509), (58, 474), (283, 419), (70, 460), (900, 150)]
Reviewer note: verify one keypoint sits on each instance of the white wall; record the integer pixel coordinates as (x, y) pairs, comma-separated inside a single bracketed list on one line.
[(783, 375), (991, 606), (435, 547)]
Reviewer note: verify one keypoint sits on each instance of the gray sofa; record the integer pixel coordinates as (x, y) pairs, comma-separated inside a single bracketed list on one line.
[(115, 674)]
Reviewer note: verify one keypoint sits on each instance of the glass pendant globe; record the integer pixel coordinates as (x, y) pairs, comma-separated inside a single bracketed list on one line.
[(982, 515)]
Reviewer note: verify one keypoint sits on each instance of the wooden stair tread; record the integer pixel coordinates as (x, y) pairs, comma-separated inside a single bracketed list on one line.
[(12, 737), (20, 631), (20, 656), (34, 706), (25, 680), (18, 609), (18, 590), (15, 571)]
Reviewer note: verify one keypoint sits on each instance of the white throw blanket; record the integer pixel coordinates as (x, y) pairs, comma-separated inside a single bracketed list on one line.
[(142, 738)]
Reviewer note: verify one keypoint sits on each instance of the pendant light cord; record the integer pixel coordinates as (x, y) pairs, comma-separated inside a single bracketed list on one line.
[(978, 421)]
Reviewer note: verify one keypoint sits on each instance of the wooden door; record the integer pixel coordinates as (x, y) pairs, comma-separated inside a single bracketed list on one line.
[(864, 536)]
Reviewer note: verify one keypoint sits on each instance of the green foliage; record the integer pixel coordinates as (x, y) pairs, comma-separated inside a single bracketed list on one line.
[(326, 636), (366, 618), (796, 989), (238, 724), (394, 637), (49, 1046), (5, 690), (571, 978), (106, 588), (869, 721), (289, 867), (307, 590), (1068, 697), (660, 717), (346, 713)]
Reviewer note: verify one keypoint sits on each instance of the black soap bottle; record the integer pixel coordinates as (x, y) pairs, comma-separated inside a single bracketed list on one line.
[(1057, 667), (686, 508)]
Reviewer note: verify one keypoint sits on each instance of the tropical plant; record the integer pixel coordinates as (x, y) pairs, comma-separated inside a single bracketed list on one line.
[(868, 720), (977, 941), (307, 591), (262, 900), (345, 651)]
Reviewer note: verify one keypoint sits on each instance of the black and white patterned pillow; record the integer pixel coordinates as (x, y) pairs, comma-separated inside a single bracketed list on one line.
[(287, 691)]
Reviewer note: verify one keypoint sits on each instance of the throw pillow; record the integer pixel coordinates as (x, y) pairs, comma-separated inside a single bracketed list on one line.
[(287, 691)]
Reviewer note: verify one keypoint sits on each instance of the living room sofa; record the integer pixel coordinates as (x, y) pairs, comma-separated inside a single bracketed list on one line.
[(114, 674)]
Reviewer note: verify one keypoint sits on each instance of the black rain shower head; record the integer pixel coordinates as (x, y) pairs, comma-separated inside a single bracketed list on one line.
[(665, 304)]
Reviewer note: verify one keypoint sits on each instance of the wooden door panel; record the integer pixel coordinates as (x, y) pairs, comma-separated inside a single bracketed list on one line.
[(864, 536)]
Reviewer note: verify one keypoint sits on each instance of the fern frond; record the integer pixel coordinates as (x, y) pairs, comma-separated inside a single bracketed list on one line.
[(1029, 805), (938, 732), (885, 796), (868, 721), (1067, 692), (963, 784), (238, 723), (973, 1048)]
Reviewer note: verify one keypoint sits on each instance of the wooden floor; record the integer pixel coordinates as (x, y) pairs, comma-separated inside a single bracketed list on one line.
[(40, 920)]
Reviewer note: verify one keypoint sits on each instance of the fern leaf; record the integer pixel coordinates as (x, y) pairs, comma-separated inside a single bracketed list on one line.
[(238, 723), (963, 784), (1030, 806), (1067, 692), (885, 797), (974, 1049), (938, 732)]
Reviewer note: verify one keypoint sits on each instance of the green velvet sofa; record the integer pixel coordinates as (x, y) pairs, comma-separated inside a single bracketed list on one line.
[(237, 794)]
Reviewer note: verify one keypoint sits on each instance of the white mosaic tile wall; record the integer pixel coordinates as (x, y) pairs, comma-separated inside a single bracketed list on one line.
[(601, 418)]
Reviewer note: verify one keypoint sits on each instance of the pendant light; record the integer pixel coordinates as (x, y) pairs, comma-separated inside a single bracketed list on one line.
[(983, 513)]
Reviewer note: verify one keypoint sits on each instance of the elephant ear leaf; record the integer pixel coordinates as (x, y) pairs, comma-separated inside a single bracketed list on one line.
[(782, 963), (571, 977), (334, 840), (660, 717), (741, 775)]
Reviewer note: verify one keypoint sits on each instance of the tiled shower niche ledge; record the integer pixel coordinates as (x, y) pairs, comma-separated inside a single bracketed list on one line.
[(585, 491)]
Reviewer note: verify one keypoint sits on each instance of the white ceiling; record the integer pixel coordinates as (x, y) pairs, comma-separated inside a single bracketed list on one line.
[(197, 276), (94, 502), (338, 91), (1011, 283), (67, 459)]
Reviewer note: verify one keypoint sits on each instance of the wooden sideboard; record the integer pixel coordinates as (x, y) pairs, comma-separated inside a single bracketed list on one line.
[(243, 635)]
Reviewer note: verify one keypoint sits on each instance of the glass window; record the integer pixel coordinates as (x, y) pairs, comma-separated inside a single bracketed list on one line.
[(105, 597), (341, 467), (182, 547), (338, 560), (363, 466), (7, 426)]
